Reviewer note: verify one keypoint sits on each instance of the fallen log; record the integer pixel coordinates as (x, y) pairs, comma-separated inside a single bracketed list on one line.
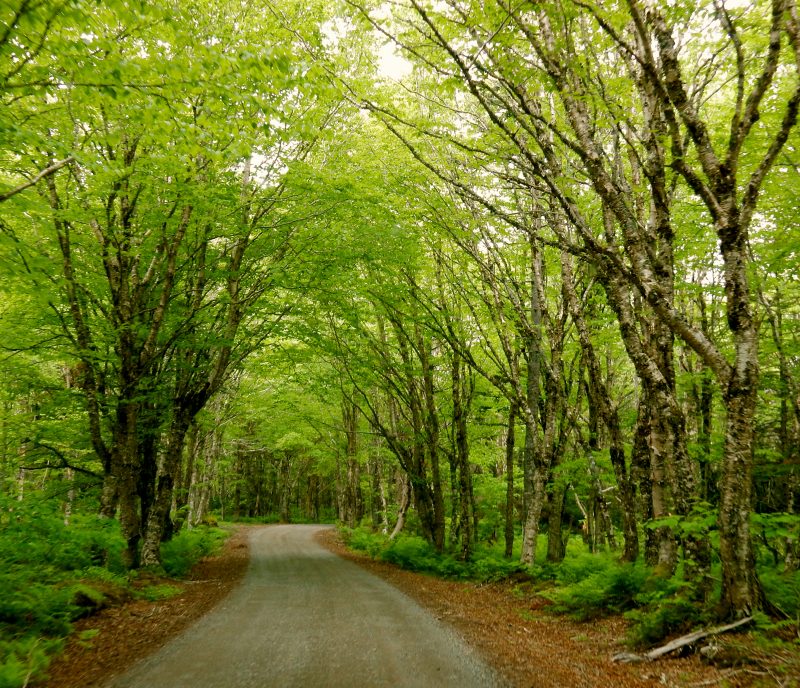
[(678, 643)]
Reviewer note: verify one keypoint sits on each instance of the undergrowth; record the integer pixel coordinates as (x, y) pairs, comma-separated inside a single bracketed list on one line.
[(52, 574), (587, 586), (414, 553), (584, 585), (188, 547), (47, 576), (783, 591)]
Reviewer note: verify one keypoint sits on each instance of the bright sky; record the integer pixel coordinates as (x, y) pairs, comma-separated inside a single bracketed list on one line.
[(391, 64)]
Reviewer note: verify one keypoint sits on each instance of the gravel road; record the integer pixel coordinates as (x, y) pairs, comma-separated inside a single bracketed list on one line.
[(304, 617)]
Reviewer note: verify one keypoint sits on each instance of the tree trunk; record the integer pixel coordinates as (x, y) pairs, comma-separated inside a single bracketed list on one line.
[(741, 589), (534, 475), (791, 557), (206, 446), (148, 458), (556, 544), (509, 510), (157, 523), (405, 502), (352, 474), (432, 441), (69, 478), (536, 498), (599, 398), (461, 400), (188, 471), (125, 469), (660, 485), (455, 499), (285, 487)]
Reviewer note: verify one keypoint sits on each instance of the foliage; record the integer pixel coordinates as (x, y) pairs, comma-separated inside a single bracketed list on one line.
[(578, 565), (52, 573), (590, 586), (658, 620), (612, 589), (782, 590), (414, 553), (188, 547), (25, 658), (378, 244), (364, 540)]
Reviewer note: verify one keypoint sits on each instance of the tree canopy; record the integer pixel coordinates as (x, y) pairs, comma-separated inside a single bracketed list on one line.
[(482, 271)]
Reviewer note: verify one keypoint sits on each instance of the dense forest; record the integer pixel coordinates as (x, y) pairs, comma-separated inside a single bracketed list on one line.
[(511, 278)]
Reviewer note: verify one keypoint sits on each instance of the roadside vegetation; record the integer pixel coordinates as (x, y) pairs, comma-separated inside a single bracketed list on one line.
[(587, 585), (52, 573), (515, 283)]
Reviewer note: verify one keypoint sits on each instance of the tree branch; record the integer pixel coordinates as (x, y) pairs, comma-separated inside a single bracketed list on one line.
[(44, 173)]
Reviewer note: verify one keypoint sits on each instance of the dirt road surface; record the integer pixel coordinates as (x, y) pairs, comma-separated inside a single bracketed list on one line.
[(304, 617)]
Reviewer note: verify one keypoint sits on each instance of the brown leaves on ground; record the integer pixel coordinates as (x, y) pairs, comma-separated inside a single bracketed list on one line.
[(508, 625), (120, 635), (532, 648)]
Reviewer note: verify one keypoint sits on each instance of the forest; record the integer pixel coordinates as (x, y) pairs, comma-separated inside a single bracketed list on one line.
[(497, 286)]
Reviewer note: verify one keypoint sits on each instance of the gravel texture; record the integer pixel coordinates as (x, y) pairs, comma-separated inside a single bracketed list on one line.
[(303, 616)]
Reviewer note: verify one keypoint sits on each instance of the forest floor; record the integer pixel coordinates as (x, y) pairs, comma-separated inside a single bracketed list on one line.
[(508, 625), (113, 639)]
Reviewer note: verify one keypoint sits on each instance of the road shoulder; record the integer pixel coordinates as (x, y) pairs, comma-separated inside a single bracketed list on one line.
[(105, 644), (510, 629)]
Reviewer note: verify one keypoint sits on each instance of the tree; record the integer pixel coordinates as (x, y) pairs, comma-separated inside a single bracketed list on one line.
[(674, 140), (156, 220)]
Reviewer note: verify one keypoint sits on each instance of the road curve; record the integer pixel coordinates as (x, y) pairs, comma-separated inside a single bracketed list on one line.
[(304, 617)]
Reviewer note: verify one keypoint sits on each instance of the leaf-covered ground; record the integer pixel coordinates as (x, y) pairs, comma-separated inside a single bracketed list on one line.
[(108, 642), (532, 648), (509, 626)]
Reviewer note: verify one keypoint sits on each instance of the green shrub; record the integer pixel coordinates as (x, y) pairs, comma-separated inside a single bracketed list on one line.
[(663, 618), (188, 547), (491, 567), (24, 659), (414, 553), (410, 552), (363, 540), (31, 606), (590, 586), (39, 527), (608, 591), (52, 573), (782, 590), (447, 566), (46, 574), (104, 575), (578, 565)]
